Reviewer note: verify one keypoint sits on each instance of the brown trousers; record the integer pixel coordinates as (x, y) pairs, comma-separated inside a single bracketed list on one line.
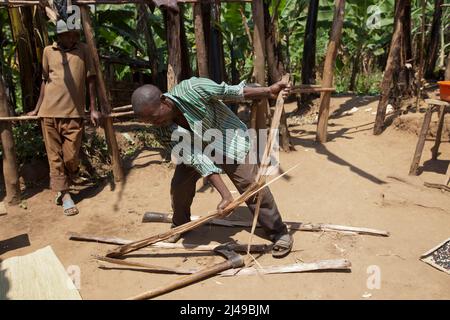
[(183, 186), (62, 137)]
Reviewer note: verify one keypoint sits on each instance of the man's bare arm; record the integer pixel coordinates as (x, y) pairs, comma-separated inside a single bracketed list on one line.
[(267, 92), (220, 186), (95, 115), (41, 98)]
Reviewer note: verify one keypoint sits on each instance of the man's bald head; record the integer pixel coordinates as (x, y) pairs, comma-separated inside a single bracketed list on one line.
[(144, 98), (151, 106)]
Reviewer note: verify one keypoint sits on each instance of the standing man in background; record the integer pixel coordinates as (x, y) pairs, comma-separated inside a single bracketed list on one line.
[(67, 67)]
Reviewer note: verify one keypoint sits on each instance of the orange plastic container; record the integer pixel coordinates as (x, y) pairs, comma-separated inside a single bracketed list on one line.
[(444, 90)]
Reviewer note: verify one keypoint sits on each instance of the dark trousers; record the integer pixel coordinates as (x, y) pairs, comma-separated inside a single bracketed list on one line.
[(183, 186)]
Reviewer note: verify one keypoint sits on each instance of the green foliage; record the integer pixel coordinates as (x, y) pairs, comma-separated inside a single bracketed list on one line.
[(28, 142), (95, 148)]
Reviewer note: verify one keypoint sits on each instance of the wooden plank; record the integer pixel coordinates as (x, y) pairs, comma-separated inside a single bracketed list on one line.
[(36, 276), (421, 142), (328, 70)]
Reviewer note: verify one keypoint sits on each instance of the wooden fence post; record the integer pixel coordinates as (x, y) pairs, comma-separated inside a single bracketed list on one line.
[(174, 48), (259, 108), (10, 171), (200, 44), (328, 69), (103, 97), (391, 66)]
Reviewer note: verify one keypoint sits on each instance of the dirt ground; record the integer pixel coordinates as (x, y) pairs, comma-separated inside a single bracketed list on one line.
[(356, 179)]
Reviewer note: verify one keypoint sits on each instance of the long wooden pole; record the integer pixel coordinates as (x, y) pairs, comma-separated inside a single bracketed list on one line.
[(328, 69), (259, 64), (174, 48), (421, 53), (200, 44), (103, 97), (10, 171), (85, 2), (392, 62)]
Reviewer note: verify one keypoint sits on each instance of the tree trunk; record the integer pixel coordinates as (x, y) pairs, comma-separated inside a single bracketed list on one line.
[(105, 105), (200, 42), (328, 69), (392, 66), (309, 52), (10, 171), (150, 42), (174, 47), (26, 54), (433, 43)]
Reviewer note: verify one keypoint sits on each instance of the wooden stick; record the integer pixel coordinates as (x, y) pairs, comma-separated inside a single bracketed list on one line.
[(10, 169), (105, 105), (166, 245), (328, 70), (200, 44), (435, 149), (123, 108), (184, 281), (28, 118), (315, 227), (259, 107), (437, 186), (392, 63), (147, 266), (339, 264), (421, 142), (262, 172)]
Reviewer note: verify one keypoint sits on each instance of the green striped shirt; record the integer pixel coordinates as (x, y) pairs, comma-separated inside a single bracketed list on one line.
[(212, 125)]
